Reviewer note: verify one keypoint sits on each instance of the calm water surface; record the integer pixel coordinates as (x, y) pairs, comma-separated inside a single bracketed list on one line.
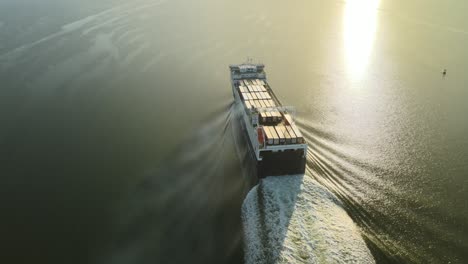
[(115, 139)]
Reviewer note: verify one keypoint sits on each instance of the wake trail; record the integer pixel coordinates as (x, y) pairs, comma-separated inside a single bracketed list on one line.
[(293, 219)]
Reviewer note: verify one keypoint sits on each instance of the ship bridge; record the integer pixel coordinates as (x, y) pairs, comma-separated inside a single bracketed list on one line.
[(247, 71)]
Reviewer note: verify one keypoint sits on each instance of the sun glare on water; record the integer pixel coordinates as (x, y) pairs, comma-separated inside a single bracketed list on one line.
[(360, 24)]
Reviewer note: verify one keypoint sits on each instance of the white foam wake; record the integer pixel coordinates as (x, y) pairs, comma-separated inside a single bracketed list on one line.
[(292, 219)]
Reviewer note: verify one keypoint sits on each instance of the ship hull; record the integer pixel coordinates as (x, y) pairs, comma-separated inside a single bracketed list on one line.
[(281, 163), (273, 163)]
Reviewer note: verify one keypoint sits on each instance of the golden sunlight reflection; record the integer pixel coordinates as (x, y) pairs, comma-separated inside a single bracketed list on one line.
[(360, 23)]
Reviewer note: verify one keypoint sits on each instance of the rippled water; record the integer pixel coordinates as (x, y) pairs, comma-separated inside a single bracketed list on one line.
[(115, 139)]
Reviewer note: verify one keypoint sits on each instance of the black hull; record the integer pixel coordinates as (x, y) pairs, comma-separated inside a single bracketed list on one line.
[(281, 163)]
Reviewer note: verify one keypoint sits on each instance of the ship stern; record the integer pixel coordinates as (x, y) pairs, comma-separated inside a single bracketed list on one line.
[(288, 162)]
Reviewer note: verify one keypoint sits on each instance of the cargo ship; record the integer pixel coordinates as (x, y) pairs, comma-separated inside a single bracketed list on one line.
[(276, 144)]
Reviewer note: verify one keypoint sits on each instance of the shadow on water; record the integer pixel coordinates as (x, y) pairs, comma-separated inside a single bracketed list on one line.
[(187, 211)]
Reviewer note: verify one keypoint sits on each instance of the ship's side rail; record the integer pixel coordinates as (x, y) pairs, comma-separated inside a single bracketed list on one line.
[(284, 148)]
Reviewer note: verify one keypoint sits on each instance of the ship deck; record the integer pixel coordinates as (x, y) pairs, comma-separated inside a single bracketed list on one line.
[(278, 125)]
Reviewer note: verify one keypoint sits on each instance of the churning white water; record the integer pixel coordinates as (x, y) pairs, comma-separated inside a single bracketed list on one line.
[(293, 219)]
